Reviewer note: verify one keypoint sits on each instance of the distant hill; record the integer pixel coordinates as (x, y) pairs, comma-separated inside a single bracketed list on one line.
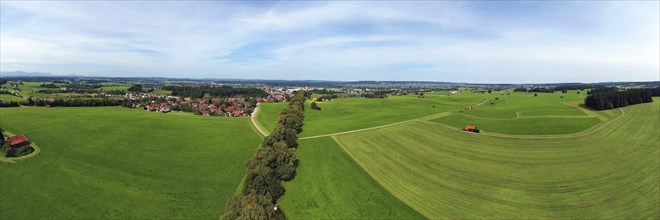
[(22, 73)]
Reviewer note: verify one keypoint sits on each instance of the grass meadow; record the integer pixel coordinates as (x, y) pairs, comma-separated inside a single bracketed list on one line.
[(450, 174), (330, 185), (346, 114), (113, 162)]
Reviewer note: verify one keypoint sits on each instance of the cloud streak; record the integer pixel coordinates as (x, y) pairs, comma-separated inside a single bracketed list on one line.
[(440, 41)]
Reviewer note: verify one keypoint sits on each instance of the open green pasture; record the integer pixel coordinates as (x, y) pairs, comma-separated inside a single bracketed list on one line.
[(346, 114), (522, 126), (526, 114), (113, 162), (330, 185), (444, 173), (267, 114), (12, 98)]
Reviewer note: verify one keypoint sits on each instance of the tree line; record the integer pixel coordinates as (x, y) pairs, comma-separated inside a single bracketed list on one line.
[(275, 161), (214, 91), (615, 99)]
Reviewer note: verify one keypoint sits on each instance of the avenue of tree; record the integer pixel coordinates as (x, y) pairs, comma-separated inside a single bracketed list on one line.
[(275, 161)]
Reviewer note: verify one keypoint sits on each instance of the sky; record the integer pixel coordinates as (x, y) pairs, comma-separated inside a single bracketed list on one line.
[(448, 41)]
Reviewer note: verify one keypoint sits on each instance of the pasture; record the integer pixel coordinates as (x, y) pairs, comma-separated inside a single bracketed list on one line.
[(330, 185), (113, 162), (526, 114), (346, 114), (445, 173), (267, 114)]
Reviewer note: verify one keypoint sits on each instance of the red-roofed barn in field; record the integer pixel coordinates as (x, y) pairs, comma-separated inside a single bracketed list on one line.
[(468, 107), (470, 128), (17, 141)]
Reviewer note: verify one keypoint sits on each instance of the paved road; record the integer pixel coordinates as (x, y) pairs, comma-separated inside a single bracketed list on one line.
[(254, 121)]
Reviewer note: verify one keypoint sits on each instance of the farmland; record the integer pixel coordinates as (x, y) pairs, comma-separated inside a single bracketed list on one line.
[(524, 114), (330, 185), (446, 173), (355, 113), (112, 162), (442, 172)]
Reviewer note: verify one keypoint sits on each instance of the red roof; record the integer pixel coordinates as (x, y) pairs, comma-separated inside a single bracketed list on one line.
[(470, 107), (470, 127), (18, 139)]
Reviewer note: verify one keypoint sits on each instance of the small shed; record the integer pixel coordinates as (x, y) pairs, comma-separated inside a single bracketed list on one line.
[(470, 128), (468, 107), (17, 141)]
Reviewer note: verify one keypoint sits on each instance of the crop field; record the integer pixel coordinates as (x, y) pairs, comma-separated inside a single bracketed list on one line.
[(446, 173), (330, 185), (113, 162)]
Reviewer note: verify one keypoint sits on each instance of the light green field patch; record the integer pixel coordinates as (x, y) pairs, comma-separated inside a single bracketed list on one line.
[(357, 113), (162, 92), (522, 126), (449, 174), (113, 162), (330, 185), (267, 114), (12, 98)]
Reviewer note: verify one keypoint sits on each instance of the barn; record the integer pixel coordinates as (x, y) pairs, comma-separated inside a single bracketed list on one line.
[(17, 141)]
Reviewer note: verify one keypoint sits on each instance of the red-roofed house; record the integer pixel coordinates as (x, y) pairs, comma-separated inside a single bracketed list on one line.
[(470, 128), (17, 141), (468, 107)]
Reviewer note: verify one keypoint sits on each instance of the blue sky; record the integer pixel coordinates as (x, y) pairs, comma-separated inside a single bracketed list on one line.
[(481, 42)]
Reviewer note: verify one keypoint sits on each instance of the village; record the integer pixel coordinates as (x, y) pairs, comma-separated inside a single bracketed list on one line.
[(228, 107)]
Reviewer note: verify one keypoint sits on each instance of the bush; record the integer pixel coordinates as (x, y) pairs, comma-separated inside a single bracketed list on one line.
[(315, 106)]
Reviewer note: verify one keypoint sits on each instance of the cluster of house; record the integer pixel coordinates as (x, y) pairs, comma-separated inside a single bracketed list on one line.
[(278, 95), (231, 107)]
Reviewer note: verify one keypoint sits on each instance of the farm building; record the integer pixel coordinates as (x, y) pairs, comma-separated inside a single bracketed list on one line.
[(470, 128), (18, 141), (468, 107)]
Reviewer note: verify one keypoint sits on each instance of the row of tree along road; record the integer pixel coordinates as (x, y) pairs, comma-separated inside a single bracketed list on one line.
[(275, 161)]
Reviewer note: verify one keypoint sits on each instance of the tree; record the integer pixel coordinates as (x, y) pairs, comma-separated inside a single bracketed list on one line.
[(315, 106), (536, 94), (250, 206), (135, 88)]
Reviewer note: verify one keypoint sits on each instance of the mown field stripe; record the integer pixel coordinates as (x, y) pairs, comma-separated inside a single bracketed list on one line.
[(446, 174)]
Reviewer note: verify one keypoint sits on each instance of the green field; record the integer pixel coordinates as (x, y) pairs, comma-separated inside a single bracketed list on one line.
[(267, 114), (112, 162), (346, 114), (522, 126), (12, 98), (330, 185), (445, 173), (525, 114)]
